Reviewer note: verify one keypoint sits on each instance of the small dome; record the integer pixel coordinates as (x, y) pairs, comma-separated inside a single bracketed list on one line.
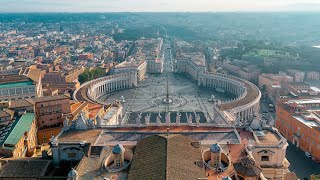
[(226, 178), (73, 174), (215, 148), (118, 149)]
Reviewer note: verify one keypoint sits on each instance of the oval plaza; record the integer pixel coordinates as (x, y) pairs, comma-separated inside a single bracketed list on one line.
[(172, 118)]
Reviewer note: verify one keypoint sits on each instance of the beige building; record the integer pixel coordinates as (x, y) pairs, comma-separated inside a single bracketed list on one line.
[(313, 76), (137, 65), (270, 84)]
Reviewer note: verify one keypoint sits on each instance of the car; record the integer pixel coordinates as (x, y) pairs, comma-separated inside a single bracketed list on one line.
[(308, 154)]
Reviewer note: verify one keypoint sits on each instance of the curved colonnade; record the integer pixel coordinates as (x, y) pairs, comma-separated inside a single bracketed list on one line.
[(92, 90), (248, 95), (242, 107)]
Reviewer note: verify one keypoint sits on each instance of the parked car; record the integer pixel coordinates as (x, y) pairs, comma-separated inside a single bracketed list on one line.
[(308, 154)]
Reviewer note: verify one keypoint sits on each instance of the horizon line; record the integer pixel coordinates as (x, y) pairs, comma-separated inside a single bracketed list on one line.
[(88, 12)]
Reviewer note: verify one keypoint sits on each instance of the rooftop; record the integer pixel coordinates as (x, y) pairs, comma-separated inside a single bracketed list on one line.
[(89, 136), (16, 84), (23, 125), (298, 84), (132, 63), (130, 136), (309, 123), (267, 136), (50, 98), (23, 168), (159, 157), (305, 101), (20, 103), (252, 94), (5, 79)]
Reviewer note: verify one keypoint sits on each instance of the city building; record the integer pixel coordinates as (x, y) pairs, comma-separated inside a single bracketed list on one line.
[(192, 63), (256, 151), (300, 90), (63, 76), (21, 140), (137, 66), (313, 76), (270, 84), (50, 113), (242, 69), (298, 120), (297, 75), (14, 87)]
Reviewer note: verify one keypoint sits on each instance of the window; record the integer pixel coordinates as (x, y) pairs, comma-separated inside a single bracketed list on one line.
[(72, 155), (264, 158)]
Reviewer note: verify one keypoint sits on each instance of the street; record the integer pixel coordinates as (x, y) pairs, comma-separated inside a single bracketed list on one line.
[(300, 164)]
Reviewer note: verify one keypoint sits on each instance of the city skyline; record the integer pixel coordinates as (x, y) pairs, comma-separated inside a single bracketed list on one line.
[(157, 6)]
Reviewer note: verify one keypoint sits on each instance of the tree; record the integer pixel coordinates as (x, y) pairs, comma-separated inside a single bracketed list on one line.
[(88, 75)]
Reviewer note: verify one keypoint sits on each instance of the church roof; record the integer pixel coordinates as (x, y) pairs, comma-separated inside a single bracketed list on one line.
[(158, 157), (24, 167), (247, 167)]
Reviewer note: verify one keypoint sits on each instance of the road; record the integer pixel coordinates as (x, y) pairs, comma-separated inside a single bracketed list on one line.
[(300, 164)]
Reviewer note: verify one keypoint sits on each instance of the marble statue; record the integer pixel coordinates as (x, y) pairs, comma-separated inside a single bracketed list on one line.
[(158, 119), (190, 119), (147, 119), (167, 118), (66, 124), (197, 119), (138, 119), (178, 118)]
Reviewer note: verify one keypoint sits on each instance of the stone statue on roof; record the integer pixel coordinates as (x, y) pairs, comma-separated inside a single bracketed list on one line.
[(138, 119), (190, 119), (178, 118), (147, 119), (158, 119), (81, 122), (167, 118), (197, 119), (66, 124)]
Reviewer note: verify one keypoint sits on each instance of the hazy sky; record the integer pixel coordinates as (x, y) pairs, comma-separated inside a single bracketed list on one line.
[(156, 5)]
